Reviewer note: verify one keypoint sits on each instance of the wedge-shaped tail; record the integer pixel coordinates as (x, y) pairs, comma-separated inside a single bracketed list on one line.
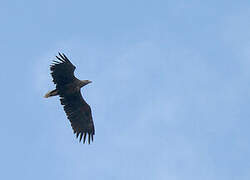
[(51, 93)]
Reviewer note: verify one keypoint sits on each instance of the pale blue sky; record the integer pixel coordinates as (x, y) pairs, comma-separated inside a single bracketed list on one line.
[(170, 92)]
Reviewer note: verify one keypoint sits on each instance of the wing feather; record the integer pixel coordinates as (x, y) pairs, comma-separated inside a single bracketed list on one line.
[(79, 114), (62, 71)]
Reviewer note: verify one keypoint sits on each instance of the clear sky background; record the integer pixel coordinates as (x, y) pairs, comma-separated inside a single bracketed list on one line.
[(170, 93)]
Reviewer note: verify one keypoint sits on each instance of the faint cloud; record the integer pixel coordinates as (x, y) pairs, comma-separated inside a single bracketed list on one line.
[(42, 79)]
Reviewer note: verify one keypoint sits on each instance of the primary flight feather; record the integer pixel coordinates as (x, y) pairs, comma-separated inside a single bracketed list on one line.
[(68, 87)]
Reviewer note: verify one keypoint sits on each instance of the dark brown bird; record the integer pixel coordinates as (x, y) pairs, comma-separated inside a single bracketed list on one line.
[(68, 87)]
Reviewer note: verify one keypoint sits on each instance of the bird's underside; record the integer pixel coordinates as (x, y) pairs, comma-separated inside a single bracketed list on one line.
[(68, 88)]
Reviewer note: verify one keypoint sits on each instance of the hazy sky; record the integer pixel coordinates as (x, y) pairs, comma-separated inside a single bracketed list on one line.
[(170, 93)]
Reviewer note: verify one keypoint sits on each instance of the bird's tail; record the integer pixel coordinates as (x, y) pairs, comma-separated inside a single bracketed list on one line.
[(51, 93)]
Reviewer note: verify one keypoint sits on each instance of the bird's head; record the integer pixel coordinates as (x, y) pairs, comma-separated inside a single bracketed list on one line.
[(85, 82)]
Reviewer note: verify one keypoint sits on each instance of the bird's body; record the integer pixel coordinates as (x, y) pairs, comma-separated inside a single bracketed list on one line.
[(68, 88)]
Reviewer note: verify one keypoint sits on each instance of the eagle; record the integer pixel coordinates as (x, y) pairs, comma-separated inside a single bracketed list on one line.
[(68, 88)]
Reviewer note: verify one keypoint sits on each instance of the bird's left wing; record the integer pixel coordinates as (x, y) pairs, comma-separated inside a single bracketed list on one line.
[(79, 114)]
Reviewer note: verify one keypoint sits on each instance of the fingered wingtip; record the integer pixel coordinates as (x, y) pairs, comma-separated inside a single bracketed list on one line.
[(85, 137)]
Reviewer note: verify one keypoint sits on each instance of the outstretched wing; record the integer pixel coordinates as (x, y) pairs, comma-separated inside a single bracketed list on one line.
[(62, 71), (79, 114)]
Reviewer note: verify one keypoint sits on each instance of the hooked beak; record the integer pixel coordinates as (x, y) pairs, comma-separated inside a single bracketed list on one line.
[(85, 82)]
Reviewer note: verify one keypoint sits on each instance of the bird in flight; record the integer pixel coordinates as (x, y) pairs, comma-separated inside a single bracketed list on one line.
[(68, 88)]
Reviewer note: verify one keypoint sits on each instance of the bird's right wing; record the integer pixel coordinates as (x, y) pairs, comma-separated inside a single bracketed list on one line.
[(62, 71)]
